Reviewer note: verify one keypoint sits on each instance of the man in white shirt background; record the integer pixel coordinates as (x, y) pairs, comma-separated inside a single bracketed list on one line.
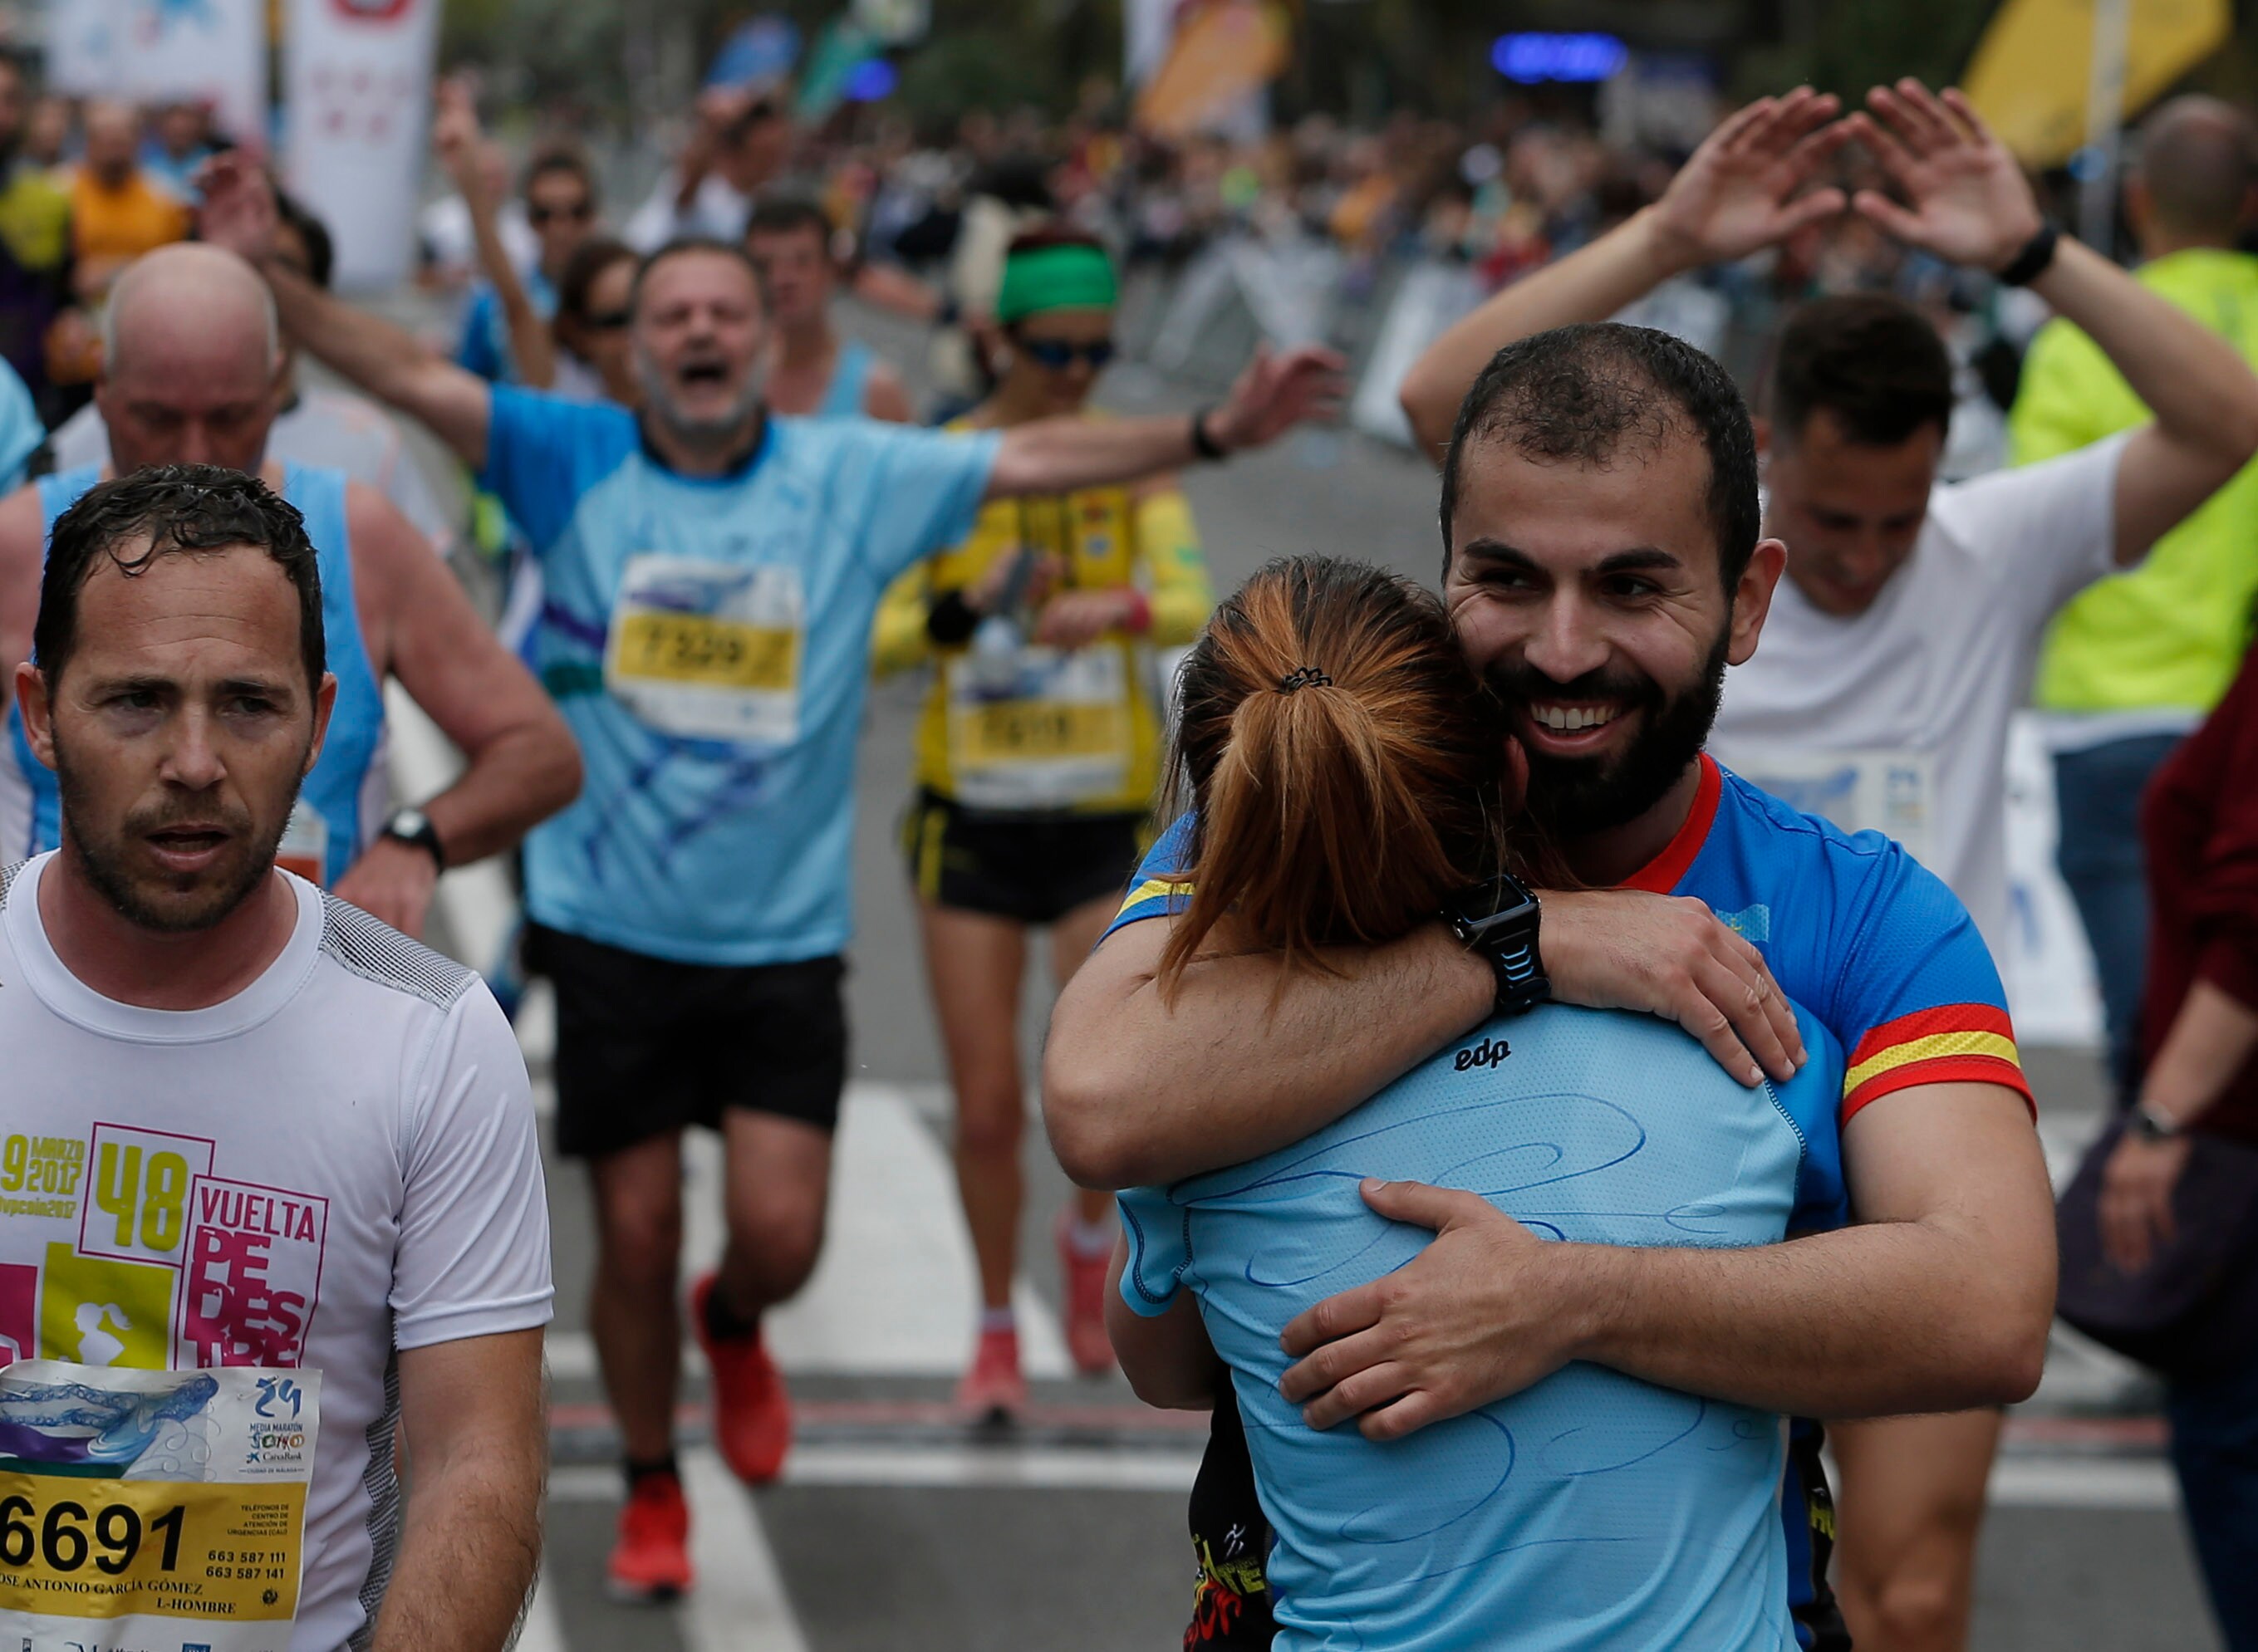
[(1906, 628)]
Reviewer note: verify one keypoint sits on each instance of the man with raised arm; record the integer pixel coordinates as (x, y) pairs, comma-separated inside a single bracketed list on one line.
[(193, 366), (1909, 626), (711, 575)]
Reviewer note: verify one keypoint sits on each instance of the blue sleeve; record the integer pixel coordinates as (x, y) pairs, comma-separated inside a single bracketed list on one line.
[(1916, 998), (477, 350), (543, 453), (20, 430), (1809, 1099), (1158, 1253), (1155, 892), (924, 489)]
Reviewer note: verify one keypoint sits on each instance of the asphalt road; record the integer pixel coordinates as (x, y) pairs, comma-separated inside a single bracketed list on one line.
[(896, 1527)]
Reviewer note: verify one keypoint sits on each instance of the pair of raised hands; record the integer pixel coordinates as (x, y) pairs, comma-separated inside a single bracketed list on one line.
[(1964, 197)]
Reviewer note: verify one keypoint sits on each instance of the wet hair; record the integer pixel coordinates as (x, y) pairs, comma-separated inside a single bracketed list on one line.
[(583, 269), (1348, 769), (565, 157), (320, 251), (682, 246), (1871, 360), (167, 510), (1050, 233), (2198, 159), (1584, 394), (781, 212)]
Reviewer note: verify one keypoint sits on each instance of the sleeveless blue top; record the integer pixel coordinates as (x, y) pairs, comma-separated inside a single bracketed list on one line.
[(341, 806), (850, 380)]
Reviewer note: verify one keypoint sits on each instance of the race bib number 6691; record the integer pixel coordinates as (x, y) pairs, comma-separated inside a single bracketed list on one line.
[(152, 1507)]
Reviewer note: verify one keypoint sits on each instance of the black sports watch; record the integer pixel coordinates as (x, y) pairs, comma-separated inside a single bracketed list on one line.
[(413, 826), (2150, 1125), (1499, 920)]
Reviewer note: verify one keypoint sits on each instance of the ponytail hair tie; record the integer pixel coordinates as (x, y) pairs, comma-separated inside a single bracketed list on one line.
[(1304, 677)]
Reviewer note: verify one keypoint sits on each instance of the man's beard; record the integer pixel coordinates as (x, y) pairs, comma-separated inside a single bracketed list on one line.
[(1574, 798), (105, 864), (658, 402)]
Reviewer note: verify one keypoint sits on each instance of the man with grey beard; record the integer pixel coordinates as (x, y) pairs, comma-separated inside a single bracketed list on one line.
[(712, 574)]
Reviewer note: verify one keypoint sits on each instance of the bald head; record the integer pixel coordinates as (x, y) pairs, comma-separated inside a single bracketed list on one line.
[(192, 360), (2198, 163)]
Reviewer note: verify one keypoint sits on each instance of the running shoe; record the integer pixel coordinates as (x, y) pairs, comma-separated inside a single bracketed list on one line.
[(652, 1560), (752, 1413), (994, 1391), (1087, 1344)]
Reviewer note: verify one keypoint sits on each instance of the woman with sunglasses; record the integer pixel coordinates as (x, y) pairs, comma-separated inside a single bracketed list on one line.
[(1038, 754), (593, 362)]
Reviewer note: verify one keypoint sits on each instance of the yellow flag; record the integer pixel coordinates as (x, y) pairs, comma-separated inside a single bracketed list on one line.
[(2028, 77), (1222, 50)]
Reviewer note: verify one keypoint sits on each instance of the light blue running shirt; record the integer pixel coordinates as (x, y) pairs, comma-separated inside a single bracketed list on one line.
[(709, 641), (342, 805), (1592, 1511)]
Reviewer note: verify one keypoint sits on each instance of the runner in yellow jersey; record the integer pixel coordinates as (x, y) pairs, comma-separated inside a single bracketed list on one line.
[(1038, 757)]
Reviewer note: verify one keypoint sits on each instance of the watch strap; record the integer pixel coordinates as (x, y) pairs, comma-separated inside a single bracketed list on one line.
[(2031, 263), (421, 835)]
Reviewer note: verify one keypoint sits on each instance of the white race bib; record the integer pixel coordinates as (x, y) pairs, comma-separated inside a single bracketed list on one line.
[(1891, 792), (705, 650), (1050, 732), (153, 1508)]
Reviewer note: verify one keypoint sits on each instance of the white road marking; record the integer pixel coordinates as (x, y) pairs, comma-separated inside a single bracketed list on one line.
[(894, 1292), (949, 1466), (540, 1630), (2056, 1481), (2080, 1482), (739, 1604)]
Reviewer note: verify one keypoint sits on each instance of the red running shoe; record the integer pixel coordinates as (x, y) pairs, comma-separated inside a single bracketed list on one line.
[(752, 1413), (994, 1390), (1087, 1344), (650, 1562)]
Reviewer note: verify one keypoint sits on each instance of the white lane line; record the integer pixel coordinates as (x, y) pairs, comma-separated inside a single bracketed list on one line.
[(939, 1467), (2017, 1482), (474, 902), (2071, 1482), (895, 1293), (540, 1629), (740, 1604)]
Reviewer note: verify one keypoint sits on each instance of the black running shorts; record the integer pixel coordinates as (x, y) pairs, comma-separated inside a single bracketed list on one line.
[(1031, 868), (646, 1046)]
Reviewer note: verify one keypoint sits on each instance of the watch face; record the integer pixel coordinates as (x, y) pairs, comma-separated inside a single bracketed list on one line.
[(408, 823), (1502, 897)]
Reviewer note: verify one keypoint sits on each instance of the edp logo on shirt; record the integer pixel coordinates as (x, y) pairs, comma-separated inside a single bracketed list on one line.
[(1488, 1053)]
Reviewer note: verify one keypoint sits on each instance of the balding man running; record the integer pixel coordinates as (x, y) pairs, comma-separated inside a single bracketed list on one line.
[(191, 363)]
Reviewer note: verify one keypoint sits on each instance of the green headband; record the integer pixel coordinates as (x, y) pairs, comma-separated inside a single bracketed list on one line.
[(1056, 278)]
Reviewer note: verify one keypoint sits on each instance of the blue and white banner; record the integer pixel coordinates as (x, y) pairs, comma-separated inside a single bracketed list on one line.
[(212, 52)]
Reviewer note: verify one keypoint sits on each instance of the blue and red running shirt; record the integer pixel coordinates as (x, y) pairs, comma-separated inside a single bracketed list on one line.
[(1878, 951)]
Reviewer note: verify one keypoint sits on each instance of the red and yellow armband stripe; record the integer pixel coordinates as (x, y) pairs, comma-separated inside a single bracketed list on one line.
[(1953, 1044)]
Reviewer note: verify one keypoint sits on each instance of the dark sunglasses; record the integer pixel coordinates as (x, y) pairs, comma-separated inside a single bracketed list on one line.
[(1058, 355), (607, 320), (536, 215)]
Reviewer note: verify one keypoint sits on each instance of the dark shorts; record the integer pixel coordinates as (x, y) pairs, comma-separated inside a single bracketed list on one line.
[(646, 1046), (1030, 869)]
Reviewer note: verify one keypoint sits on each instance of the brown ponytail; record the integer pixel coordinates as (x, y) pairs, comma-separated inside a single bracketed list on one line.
[(1348, 768)]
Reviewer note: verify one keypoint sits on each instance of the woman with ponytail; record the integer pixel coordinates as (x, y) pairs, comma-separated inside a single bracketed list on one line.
[(1349, 778)]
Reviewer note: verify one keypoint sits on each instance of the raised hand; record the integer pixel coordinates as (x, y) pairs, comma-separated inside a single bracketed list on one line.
[(1738, 192), (1967, 199), (237, 210), (1276, 393), (455, 135)]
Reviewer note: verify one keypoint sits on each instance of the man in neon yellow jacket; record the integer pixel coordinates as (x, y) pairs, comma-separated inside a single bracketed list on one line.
[(2135, 662)]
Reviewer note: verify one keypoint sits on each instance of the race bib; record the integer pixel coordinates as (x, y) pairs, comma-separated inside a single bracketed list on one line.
[(708, 651), (1045, 730), (305, 846), (1890, 791), (153, 1508)]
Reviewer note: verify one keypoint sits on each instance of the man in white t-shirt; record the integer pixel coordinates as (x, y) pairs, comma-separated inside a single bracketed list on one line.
[(1908, 624), (247, 1126)]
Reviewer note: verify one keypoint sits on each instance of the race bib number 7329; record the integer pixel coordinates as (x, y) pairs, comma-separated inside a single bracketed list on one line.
[(708, 651)]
